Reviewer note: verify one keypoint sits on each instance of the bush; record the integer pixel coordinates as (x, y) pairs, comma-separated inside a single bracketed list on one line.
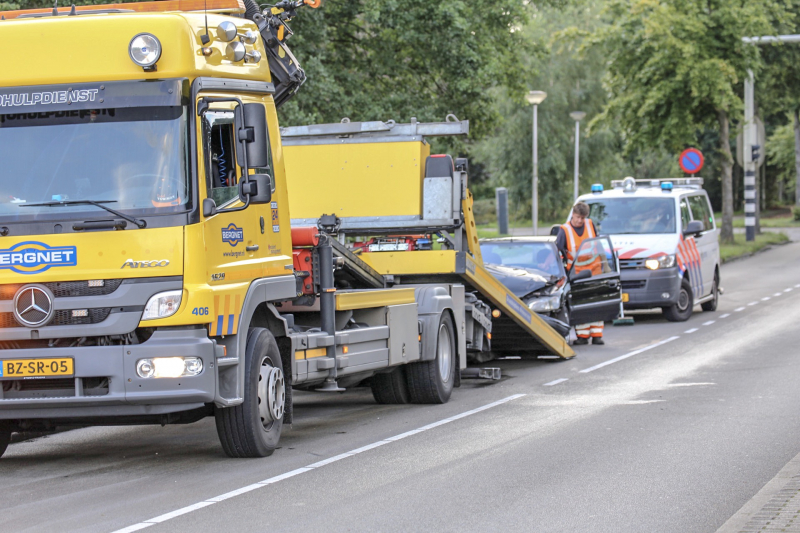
[(796, 214), (485, 211)]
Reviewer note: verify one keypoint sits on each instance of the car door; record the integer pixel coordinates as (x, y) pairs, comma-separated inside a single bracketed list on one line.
[(595, 296), (706, 242)]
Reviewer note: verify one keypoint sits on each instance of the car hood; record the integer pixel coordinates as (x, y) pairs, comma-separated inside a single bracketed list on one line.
[(519, 281), (645, 246)]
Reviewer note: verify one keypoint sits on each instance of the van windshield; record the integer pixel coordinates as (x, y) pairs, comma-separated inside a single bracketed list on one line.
[(614, 216), (132, 158)]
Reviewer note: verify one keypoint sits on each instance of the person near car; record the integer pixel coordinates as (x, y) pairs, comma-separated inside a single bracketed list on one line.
[(570, 236)]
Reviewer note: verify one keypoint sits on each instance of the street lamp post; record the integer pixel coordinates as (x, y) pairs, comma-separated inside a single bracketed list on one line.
[(535, 98), (577, 116)]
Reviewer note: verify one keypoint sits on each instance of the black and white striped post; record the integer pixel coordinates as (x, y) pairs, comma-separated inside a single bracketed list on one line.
[(749, 165)]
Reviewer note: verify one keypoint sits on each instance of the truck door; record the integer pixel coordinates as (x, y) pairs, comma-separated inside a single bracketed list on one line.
[(594, 279), (707, 242)]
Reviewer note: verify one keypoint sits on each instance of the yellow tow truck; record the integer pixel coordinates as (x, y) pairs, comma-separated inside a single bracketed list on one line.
[(167, 253)]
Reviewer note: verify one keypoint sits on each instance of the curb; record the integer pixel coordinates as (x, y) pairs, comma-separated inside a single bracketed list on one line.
[(751, 254)]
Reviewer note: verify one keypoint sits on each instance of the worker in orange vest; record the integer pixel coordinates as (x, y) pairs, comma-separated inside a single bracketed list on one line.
[(569, 239)]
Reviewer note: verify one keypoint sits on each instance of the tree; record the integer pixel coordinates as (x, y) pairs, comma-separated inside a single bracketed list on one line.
[(676, 67)]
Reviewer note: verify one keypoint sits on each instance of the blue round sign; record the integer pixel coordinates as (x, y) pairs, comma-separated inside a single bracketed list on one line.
[(691, 160)]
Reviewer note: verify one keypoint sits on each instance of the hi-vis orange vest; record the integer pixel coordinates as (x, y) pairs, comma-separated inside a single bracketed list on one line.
[(586, 261)]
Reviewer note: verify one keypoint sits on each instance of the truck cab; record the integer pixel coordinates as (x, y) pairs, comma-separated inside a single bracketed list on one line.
[(666, 239)]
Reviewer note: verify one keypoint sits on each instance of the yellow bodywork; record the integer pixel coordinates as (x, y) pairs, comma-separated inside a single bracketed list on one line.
[(346, 301), (349, 171)]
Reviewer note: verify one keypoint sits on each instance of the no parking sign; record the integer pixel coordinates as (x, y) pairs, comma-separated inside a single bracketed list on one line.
[(691, 160)]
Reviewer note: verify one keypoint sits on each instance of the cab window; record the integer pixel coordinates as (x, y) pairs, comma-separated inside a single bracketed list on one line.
[(220, 157), (686, 215), (701, 211)]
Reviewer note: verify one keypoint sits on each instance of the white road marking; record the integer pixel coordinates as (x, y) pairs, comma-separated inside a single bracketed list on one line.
[(709, 322), (753, 303), (298, 471), (777, 294), (689, 384), (630, 354), (556, 382), (726, 315), (787, 290), (643, 402), (739, 309), (797, 286), (765, 298), (690, 330)]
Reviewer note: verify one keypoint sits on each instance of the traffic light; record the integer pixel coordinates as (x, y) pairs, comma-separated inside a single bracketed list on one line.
[(755, 152)]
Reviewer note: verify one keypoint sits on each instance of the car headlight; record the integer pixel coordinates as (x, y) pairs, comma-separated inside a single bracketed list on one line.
[(541, 305), (162, 305), (665, 261)]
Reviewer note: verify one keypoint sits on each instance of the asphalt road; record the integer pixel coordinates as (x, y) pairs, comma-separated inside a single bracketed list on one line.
[(669, 427)]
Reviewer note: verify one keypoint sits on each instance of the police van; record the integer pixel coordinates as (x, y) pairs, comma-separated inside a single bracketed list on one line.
[(666, 240)]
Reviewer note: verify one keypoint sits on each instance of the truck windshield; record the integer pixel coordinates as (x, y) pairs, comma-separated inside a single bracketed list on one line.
[(614, 216), (135, 157)]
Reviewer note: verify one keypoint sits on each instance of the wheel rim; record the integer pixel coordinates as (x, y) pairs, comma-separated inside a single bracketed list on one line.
[(271, 394), (445, 354), (683, 300)]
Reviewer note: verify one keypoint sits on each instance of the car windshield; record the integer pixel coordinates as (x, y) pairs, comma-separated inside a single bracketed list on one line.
[(538, 256), (135, 158), (614, 216)]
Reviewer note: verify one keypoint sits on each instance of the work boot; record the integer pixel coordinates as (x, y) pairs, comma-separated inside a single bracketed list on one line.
[(598, 340), (580, 340)]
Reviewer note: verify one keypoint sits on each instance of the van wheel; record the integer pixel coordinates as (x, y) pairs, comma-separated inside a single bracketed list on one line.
[(432, 381), (682, 310), (711, 305), (5, 437), (253, 428), (390, 387)]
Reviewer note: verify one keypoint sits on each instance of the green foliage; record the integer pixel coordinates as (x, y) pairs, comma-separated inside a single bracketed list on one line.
[(796, 214), (781, 154), (397, 59)]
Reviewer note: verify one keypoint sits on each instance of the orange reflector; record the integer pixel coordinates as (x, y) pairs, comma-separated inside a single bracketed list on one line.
[(224, 351), (496, 313), (419, 337), (345, 349), (489, 336)]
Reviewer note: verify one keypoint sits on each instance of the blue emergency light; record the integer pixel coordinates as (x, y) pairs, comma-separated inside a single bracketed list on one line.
[(597, 188), (666, 186)]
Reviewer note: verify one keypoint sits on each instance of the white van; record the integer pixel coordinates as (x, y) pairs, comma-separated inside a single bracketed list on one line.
[(666, 240)]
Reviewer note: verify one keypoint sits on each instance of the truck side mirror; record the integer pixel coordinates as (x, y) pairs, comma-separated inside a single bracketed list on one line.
[(209, 207), (251, 127), (258, 188), (695, 227)]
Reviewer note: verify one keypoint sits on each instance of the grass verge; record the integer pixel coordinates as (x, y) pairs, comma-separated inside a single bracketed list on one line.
[(741, 247)]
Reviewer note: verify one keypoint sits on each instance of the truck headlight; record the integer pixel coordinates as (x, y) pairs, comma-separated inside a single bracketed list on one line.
[(665, 261), (541, 305), (162, 305), (169, 367), (145, 50)]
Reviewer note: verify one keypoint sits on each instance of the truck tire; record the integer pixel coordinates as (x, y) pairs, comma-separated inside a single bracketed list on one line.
[(390, 387), (681, 311), (432, 381), (711, 305), (5, 437), (253, 428)]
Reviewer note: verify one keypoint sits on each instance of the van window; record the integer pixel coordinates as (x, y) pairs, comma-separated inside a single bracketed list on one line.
[(686, 215), (701, 212), (615, 216)]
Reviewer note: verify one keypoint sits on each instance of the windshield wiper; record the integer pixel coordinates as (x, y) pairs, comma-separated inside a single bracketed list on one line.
[(96, 203)]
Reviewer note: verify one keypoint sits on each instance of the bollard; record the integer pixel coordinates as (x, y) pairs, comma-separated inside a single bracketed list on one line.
[(501, 203)]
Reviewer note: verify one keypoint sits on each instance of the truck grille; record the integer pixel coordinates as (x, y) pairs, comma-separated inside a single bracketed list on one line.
[(66, 289), (61, 318), (52, 388)]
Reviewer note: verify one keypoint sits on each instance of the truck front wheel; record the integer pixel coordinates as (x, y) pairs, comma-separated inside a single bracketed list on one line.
[(253, 428), (432, 381), (5, 437)]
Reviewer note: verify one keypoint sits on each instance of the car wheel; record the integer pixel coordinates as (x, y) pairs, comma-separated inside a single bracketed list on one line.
[(711, 305), (682, 310)]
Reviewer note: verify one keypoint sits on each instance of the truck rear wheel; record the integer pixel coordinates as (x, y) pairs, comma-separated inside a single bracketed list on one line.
[(432, 381), (253, 428), (682, 310), (390, 387)]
